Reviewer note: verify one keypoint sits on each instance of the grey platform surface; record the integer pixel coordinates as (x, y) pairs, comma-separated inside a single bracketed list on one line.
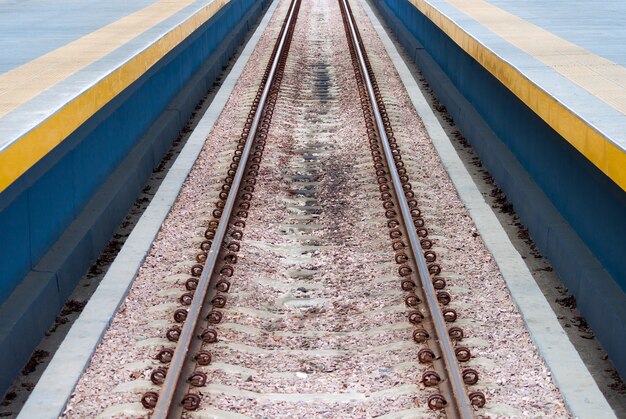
[(598, 26), (30, 29)]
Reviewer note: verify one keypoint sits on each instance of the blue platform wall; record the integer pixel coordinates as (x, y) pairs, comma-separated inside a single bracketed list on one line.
[(55, 220), (575, 214)]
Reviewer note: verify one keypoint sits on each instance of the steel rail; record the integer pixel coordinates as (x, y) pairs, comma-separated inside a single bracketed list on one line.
[(463, 406), (168, 391)]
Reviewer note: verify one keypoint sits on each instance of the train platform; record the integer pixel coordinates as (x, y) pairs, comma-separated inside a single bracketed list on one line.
[(92, 95), (56, 71), (566, 64), (538, 88)]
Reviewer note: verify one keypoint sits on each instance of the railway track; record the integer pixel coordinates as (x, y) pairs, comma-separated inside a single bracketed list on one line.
[(408, 226), (211, 285)]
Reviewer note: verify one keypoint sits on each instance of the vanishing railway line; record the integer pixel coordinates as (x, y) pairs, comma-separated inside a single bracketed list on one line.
[(444, 356), (437, 343), (210, 278)]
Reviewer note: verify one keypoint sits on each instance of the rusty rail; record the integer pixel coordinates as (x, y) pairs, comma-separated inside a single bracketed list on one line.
[(165, 403), (461, 403)]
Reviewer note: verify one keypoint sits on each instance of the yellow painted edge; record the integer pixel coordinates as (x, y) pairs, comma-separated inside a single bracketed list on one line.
[(595, 146), (35, 144)]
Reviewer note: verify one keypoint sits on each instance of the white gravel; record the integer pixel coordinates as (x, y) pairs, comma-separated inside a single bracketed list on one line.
[(315, 324)]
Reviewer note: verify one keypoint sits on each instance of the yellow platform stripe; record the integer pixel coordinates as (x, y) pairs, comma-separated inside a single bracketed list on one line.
[(16, 159), (595, 146), (602, 78)]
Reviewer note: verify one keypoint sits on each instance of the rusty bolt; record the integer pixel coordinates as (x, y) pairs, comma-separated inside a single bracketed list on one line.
[(227, 271), (173, 334), (415, 317), (191, 284), (477, 398), (186, 298), (158, 375), (443, 298), (219, 301), (203, 358), (149, 399), (404, 271), (449, 314), (180, 315), (437, 402), (434, 269), (462, 353), (222, 285), (430, 378), (411, 301), (230, 258), (470, 376), (165, 355), (208, 335), (196, 270), (430, 256), (214, 317), (401, 258), (425, 356), (420, 335), (393, 223), (190, 401), (439, 283), (455, 333), (407, 285), (395, 233), (398, 245), (197, 379)]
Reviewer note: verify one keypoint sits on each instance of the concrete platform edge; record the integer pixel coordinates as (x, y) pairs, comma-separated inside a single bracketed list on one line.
[(55, 387), (578, 388)]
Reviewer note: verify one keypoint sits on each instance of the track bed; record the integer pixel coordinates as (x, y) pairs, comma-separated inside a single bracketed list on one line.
[(316, 305)]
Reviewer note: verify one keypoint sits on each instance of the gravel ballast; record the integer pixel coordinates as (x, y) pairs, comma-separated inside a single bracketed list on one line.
[(315, 324)]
